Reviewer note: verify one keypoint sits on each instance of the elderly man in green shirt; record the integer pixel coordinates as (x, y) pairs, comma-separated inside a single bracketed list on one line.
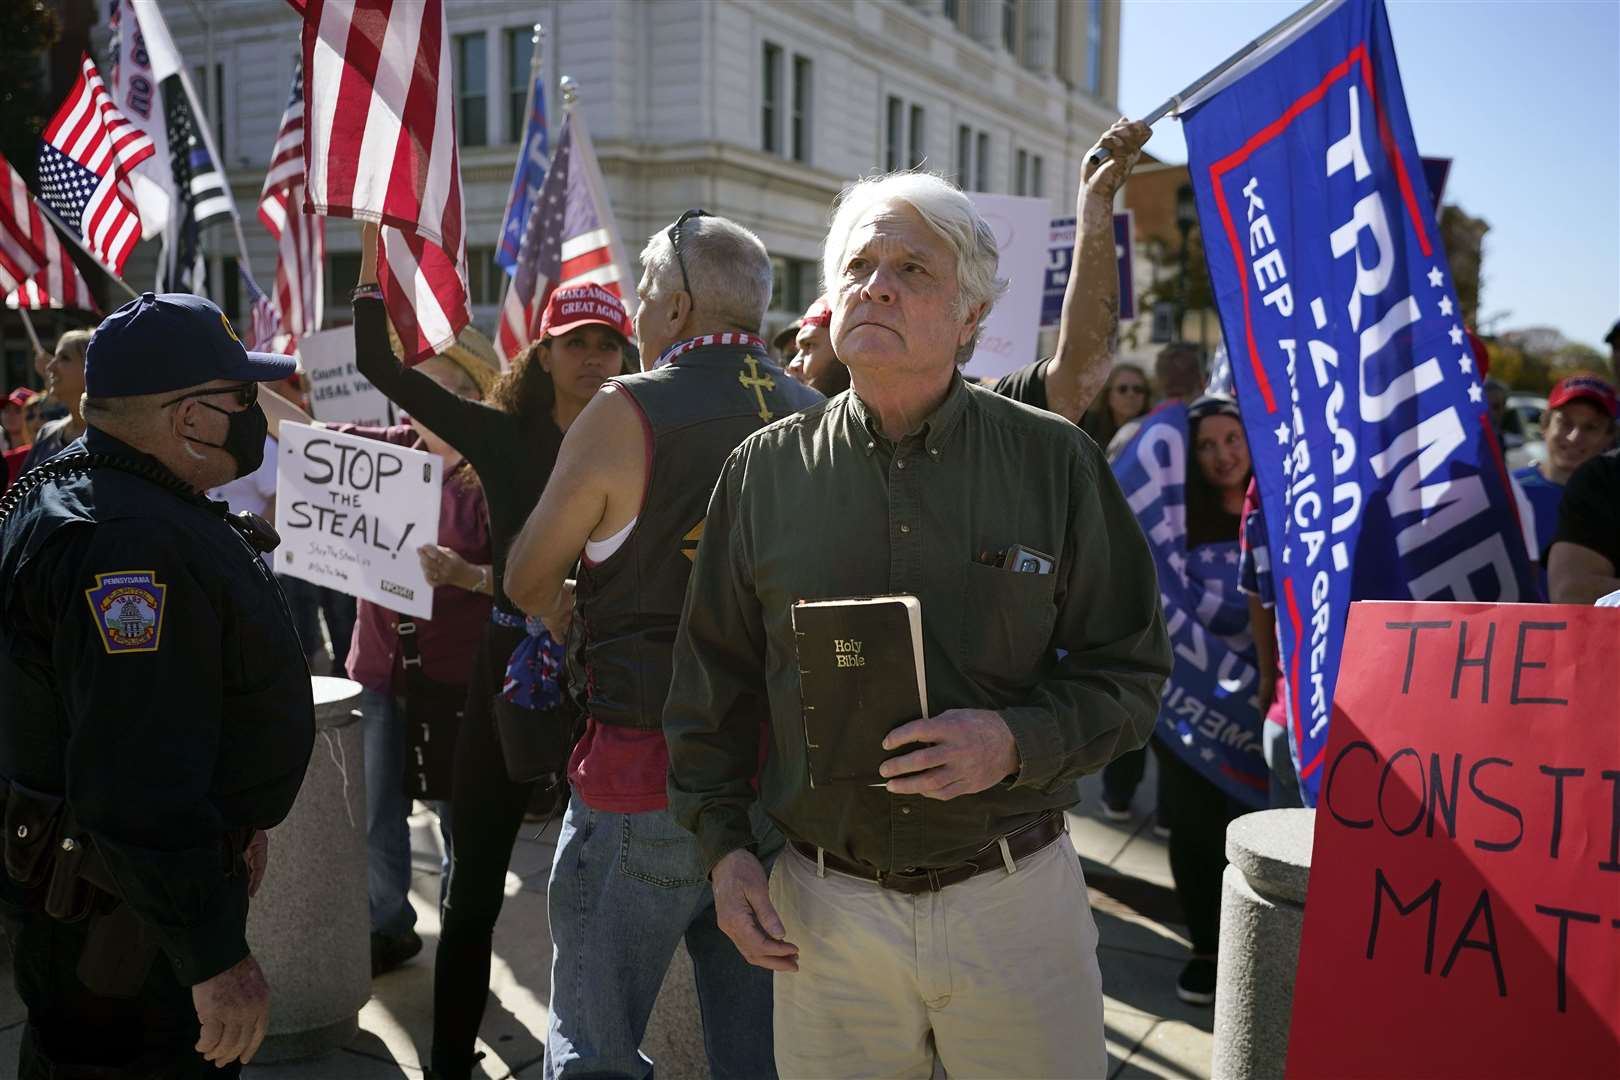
[(941, 916)]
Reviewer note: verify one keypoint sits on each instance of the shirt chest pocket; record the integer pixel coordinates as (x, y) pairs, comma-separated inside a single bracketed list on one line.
[(1007, 621)]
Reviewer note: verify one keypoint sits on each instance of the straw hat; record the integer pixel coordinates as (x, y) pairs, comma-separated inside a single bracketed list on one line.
[(471, 352)]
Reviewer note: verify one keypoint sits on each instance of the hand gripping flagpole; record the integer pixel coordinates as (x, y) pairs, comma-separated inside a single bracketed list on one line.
[(1173, 105)]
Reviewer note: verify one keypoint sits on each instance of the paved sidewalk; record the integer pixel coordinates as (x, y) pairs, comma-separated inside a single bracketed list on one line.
[(1150, 1033)]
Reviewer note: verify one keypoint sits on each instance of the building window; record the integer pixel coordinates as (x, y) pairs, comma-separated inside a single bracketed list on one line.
[(202, 85), (472, 90), (1009, 25), (982, 172), (228, 287), (485, 277), (519, 55), (895, 142), (342, 271), (793, 285), (918, 138), (952, 10), (1037, 183), (770, 112), (800, 146), (1094, 47), (1021, 172), (964, 157)]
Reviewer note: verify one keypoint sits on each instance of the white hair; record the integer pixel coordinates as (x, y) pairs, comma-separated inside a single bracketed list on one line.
[(727, 265), (946, 210)]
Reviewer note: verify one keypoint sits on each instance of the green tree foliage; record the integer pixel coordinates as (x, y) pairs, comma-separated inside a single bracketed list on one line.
[(1464, 240), (27, 29)]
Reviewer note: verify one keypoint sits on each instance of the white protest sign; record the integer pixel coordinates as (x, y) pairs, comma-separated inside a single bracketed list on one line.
[(338, 393), (352, 512), (1022, 228)]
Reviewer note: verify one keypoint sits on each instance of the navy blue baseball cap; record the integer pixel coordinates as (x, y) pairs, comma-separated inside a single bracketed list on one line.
[(171, 341)]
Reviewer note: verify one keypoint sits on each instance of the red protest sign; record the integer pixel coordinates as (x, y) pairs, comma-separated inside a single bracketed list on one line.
[(1463, 918)]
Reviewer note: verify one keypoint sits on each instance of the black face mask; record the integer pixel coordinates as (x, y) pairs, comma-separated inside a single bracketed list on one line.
[(244, 438)]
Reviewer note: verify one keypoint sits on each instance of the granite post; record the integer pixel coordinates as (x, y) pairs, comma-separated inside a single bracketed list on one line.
[(1262, 918), (309, 926)]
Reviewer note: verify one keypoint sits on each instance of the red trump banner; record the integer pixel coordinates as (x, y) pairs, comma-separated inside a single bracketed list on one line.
[(1463, 918)]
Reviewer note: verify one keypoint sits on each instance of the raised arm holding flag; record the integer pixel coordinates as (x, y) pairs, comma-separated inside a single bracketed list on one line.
[(382, 148)]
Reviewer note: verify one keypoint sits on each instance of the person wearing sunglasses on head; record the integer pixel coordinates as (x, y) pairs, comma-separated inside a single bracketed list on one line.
[(158, 709), (626, 503)]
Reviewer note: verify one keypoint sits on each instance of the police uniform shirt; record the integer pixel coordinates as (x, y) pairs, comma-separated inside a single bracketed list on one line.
[(151, 672)]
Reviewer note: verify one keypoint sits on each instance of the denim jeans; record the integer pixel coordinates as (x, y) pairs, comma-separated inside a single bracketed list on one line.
[(625, 890), (388, 834)]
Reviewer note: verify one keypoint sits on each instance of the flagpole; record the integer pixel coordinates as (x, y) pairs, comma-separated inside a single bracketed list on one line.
[(584, 152), (1173, 104), (28, 325), (78, 242)]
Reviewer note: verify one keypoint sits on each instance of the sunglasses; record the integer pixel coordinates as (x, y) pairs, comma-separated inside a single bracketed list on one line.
[(675, 233), (246, 394)]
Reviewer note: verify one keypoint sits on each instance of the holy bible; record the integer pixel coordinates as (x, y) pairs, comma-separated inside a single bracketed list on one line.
[(860, 677)]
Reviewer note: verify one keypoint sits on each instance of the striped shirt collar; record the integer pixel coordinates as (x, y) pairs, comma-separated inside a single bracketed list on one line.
[(740, 338)]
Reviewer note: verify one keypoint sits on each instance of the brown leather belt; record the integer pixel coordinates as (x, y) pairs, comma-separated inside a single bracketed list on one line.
[(1020, 845)]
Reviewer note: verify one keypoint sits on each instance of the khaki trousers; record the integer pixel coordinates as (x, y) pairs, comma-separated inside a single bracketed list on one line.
[(995, 976)]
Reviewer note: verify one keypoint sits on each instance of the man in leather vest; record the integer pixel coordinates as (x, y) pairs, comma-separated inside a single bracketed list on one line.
[(157, 713), (627, 501)]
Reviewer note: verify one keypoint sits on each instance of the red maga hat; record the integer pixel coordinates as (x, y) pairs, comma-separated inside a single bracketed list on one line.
[(1584, 387), (581, 305), (819, 313)]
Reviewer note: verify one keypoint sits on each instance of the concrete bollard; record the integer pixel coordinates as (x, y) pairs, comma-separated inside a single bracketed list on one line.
[(1262, 917), (309, 926)]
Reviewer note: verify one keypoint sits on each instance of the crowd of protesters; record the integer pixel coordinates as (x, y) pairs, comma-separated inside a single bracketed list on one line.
[(590, 678)]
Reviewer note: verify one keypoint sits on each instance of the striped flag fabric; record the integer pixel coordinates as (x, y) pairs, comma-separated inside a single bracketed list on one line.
[(20, 256), (263, 323), (57, 283), (85, 157), (382, 147), (570, 239), (300, 237)]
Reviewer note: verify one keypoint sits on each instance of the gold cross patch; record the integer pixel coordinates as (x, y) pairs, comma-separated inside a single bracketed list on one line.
[(689, 542), (757, 383)]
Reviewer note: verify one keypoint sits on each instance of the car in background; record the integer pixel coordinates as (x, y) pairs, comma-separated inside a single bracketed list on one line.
[(1521, 430)]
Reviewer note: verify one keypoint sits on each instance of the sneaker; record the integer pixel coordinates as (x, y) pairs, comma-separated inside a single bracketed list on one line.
[(1116, 811), (389, 951), (1196, 983)]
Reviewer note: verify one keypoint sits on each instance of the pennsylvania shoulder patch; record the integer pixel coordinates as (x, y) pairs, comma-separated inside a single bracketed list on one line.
[(127, 606)]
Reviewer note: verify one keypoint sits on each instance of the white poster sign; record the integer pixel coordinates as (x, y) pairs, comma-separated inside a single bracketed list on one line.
[(352, 512), (1022, 227), (338, 393)]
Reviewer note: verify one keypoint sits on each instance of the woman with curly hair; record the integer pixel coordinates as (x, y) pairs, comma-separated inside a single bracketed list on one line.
[(512, 441)]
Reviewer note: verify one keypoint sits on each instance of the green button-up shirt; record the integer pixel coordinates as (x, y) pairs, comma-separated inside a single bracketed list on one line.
[(821, 505)]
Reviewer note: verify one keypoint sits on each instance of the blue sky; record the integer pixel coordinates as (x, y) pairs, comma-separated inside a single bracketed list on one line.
[(1523, 94)]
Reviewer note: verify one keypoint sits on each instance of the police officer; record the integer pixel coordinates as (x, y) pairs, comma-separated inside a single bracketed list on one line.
[(157, 710)]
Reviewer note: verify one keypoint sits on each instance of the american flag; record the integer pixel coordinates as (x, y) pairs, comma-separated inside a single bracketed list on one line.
[(300, 237), (382, 147), (569, 240), (263, 323), (20, 256), (57, 284), (84, 160)]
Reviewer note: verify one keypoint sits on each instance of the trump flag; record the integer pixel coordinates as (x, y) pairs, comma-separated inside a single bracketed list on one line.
[(1366, 417)]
